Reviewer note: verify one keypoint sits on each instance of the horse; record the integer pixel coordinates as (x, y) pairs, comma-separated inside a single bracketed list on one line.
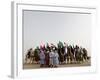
[(61, 52), (29, 56), (85, 55), (36, 55), (70, 56)]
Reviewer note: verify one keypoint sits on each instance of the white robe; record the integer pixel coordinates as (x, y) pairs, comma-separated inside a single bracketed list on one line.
[(51, 55), (55, 59)]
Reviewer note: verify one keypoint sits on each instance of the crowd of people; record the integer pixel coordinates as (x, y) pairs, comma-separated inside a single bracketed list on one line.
[(50, 55)]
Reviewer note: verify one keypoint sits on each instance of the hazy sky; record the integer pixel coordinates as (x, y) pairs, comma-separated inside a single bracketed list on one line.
[(52, 27)]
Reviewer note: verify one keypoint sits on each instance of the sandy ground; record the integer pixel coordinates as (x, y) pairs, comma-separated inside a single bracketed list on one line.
[(37, 66)]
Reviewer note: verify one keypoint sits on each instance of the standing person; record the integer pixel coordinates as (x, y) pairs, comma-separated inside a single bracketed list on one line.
[(61, 52), (42, 58), (65, 54), (47, 58), (51, 54), (55, 59), (36, 55)]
